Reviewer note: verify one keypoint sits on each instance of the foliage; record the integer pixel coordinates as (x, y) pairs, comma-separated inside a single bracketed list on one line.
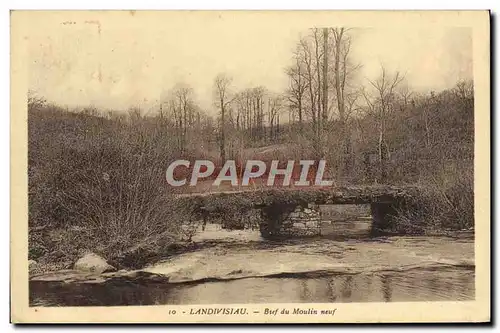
[(97, 184), (444, 202)]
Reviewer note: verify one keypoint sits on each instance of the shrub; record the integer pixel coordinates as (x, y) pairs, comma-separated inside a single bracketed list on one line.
[(97, 185), (445, 201)]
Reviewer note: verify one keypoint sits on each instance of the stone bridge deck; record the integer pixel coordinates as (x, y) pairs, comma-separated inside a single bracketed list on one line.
[(276, 205), (330, 195)]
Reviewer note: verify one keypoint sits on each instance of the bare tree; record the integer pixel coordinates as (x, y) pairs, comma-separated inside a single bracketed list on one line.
[(381, 106), (221, 84), (258, 94), (183, 93), (338, 35), (274, 107), (181, 106), (345, 95), (298, 84), (465, 91), (319, 54), (325, 76), (310, 77), (405, 94), (134, 113), (35, 101)]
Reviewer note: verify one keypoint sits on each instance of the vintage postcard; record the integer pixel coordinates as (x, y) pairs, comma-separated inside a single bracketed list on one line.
[(250, 166)]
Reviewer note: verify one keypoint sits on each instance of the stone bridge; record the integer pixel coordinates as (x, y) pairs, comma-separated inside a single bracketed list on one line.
[(289, 212)]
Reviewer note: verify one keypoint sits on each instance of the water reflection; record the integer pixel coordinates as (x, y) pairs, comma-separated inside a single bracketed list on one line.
[(415, 285)]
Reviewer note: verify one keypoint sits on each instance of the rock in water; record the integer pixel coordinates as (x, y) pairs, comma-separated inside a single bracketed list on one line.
[(91, 262)]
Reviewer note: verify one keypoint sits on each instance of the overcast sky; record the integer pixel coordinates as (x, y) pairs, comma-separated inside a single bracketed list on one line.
[(116, 65)]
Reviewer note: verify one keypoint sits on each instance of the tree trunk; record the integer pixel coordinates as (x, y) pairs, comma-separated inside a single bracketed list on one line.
[(300, 115), (277, 132), (319, 93), (382, 149), (325, 76), (339, 88), (222, 132)]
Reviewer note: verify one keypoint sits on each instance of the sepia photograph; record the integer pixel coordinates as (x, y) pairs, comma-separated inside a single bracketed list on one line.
[(256, 165)]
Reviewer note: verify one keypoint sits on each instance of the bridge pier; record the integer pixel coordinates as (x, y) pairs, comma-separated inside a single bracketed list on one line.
[(272, 217), (290, 220), (295, 220), (383, 214)]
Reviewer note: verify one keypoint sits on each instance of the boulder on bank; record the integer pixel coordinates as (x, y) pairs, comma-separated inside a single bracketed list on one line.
[(31, 265), (91, 262)]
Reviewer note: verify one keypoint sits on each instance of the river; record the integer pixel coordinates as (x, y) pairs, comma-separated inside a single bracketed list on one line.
[(240, 267)]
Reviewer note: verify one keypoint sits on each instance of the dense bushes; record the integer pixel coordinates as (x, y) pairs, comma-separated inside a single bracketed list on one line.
[(442, 160), (97, 184), (445, 201)]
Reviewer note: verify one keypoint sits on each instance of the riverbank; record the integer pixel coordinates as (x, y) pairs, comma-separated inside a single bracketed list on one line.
[(214, 237), (230, 266)]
